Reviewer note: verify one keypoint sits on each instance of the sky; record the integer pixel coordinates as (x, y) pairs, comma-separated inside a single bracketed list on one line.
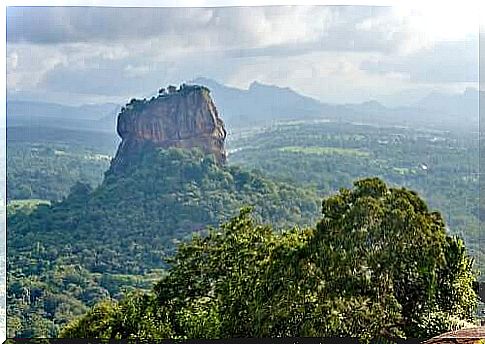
[(336, 54)]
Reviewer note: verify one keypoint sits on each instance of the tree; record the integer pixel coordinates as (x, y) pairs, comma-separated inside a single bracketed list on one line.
[(133, 317), (378, 264), (384, 243)]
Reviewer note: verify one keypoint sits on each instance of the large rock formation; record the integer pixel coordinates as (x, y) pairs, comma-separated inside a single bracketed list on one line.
[(183, 118)]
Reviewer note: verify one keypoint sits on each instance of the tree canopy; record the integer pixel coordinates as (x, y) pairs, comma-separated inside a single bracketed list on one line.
[(126, 228), (377, 264)]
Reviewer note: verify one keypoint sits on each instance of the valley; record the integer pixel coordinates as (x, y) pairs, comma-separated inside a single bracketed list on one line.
[(78, 234)]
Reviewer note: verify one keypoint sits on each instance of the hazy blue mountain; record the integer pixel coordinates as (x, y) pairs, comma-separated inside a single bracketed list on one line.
[(459, 110), (98, 117), (98, 140), (371, 106), (43, 109), (261, 104), (463, 104)]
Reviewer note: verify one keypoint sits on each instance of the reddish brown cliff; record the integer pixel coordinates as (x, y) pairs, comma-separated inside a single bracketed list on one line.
[(184, 118)]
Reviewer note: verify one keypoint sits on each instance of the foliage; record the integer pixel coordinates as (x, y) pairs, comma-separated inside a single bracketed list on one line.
[(129, 224), (442, 166), (39, 305), (378, 264), (117, 320), (49, 171), (116, 237)]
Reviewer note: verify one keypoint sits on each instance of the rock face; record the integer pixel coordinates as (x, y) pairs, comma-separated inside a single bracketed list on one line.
[(184, 118)]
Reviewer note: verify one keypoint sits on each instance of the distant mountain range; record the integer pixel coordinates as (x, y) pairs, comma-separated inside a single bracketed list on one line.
[(98, 117), (262, 105), (451, 104)]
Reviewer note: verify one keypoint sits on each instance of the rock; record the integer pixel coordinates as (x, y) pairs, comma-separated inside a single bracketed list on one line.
[(184, 118)]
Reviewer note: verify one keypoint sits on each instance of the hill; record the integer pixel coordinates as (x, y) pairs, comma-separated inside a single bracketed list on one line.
[(54, 110), (128, 227), (461, 105), (262, 105), (68, 254), (129, 222), (88, 117)]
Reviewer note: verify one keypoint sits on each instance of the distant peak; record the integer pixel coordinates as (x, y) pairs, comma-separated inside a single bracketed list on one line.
[(256, 84), (200, 79)]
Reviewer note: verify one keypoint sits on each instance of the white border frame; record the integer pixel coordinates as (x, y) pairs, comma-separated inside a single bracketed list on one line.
[(479, 5)]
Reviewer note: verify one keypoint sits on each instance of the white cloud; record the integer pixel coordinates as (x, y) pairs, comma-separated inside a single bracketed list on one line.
[(330, 52), (329, 76), (442, 62), (27, 65)]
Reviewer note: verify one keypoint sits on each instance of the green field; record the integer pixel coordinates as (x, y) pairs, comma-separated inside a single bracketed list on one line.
[(324, 151)]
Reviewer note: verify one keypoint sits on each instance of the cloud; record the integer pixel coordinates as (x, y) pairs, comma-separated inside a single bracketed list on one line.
[(26, 67), (29, 64), (52, 25), (445, 62), (249, 30), (325, 51)]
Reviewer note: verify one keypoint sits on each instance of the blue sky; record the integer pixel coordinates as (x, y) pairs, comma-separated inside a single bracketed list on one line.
[(338, 54)]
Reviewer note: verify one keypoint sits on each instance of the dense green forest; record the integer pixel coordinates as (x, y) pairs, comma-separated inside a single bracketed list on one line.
[(377, 264), (48, 170), (441, 165), (100, 243), (128, 226)]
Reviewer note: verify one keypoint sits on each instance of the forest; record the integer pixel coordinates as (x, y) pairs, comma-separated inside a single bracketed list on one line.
[(48, 171), (93, 240), (378, 264), (130, 224), (442, 166)]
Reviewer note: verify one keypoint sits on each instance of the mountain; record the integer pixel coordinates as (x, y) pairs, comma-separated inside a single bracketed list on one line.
[(95, 242), (184, 118), (463, 104), (43, 109), (371, 107), (102, 141), (96, 117), (261, 104)]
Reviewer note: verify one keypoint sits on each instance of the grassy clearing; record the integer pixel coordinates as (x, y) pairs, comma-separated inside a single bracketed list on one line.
[(27, 205), (324, 151)]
